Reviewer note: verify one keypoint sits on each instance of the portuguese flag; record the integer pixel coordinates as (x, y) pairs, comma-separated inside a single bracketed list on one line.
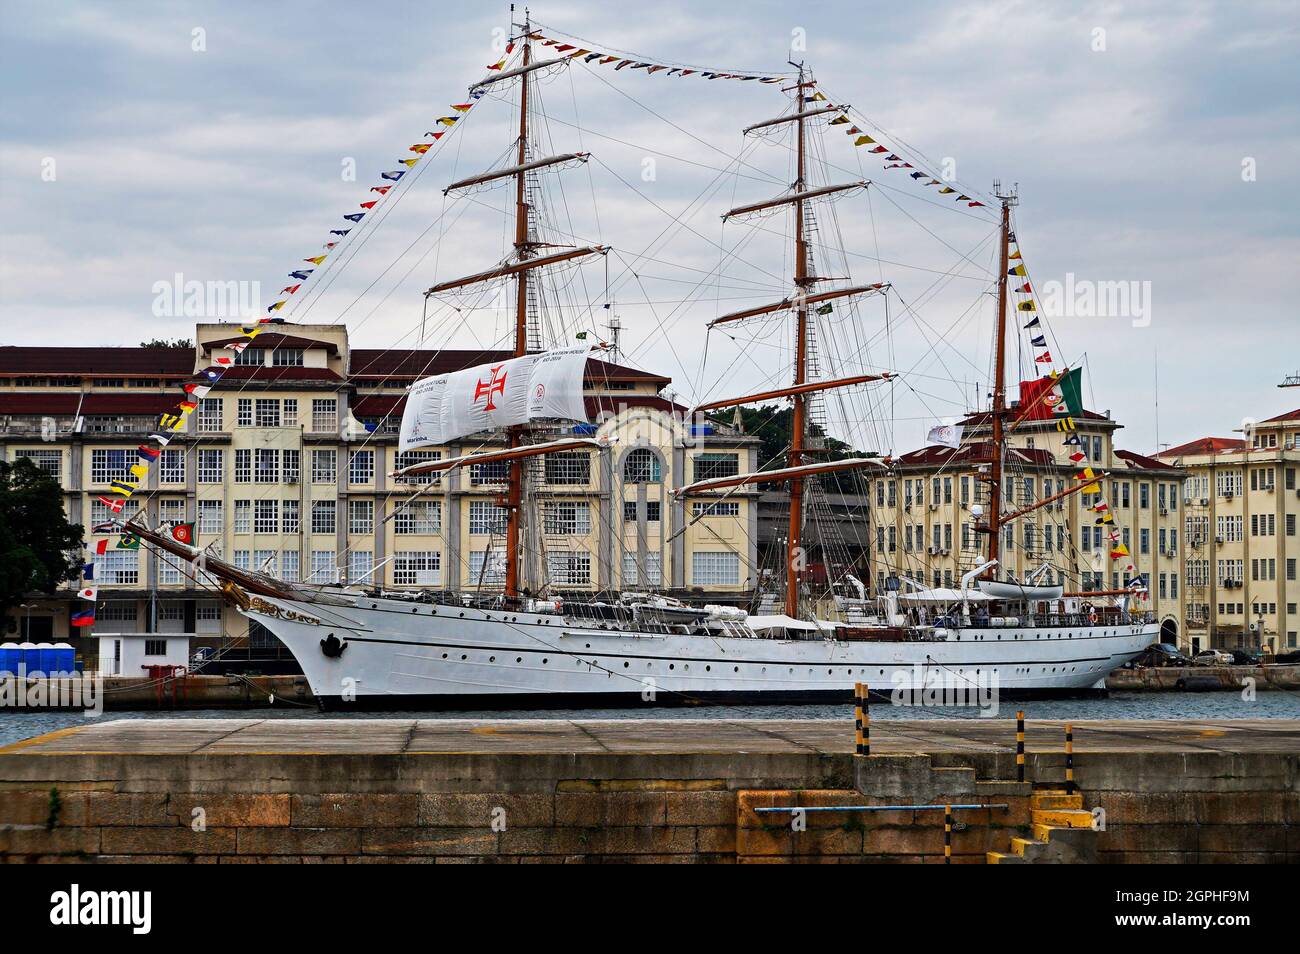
[(183, 533), (1046, 398)]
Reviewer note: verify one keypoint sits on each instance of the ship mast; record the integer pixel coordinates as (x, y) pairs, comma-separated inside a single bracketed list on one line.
[(523, 248), (999, 410), (793, 553)]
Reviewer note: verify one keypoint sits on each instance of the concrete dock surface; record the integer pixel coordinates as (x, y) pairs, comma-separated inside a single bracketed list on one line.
[(406, 737)]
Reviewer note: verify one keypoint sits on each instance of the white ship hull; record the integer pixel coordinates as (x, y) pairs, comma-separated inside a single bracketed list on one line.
[(400, 654)]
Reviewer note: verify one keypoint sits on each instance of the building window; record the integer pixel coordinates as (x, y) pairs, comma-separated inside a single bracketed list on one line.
[(721, 508), (210, 519), (110, 465), (643, 572), (324, 566), (568, 468), (485, 517), (486, 567), (711, 466), (171, 467), (417, 457), (292, 460), (568, 569), (155, 647), (361, 467), (266, 412), (629, 511), (709, 568), (287, 358), (323, 516), (491, 473), (417, 568), (211, 466), (50, 461), (419, 516), (243, 516), (290, 412), (566, 517), (289, 565), (266, 516), (244, 413), (266, 466), (653, 511), (324, 466), (324, 415), (641, 467), (210, 415), (360, 565), (243, 466), (121, 567), (361, 516), (251, 357), (116, 611), (290, 516)]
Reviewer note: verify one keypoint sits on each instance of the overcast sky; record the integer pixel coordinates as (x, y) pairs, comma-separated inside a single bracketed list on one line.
[(1152, 143)]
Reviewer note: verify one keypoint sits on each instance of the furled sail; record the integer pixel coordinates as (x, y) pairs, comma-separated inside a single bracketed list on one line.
[(489, 396)]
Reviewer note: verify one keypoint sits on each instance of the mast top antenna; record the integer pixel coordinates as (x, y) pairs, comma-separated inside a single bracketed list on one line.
[(1011, 197)]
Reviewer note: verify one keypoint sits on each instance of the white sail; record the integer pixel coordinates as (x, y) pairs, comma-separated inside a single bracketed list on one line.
[(489, 396)]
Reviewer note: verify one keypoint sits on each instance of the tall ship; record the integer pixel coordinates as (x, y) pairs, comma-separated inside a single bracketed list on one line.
[(809, 630)]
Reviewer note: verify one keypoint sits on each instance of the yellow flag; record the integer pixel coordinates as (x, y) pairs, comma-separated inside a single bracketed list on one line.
[(317, 260), (946, 190), (863, 141), (409, 162), (139, 470), (838, 121)]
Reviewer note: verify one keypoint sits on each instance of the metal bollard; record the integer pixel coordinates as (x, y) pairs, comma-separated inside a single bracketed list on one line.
[(1020, 746), (866, 719), (857, 719), (947, 834), (1069, 757)]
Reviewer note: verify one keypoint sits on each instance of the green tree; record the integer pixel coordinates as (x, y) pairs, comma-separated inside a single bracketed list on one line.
[(772, 424), (39, 549), (164, 343)]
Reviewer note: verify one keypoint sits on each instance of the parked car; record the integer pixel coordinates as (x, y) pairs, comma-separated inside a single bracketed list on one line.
[(1287, 659), (1160, 655), (1213, 657), (1245, 657)]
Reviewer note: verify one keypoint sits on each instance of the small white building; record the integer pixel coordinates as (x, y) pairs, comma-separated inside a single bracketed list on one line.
[(128, 654)]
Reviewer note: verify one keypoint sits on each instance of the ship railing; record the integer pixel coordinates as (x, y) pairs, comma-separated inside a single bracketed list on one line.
[(1046, 621)]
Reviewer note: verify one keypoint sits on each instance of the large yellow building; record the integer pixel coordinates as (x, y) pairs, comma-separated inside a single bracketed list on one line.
[(925, 527), (1242, 503), (284, 467)]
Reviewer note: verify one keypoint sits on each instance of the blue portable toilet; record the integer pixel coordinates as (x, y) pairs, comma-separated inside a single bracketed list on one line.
[(27, 657), (10, 656), (45, 659), (65, 658)]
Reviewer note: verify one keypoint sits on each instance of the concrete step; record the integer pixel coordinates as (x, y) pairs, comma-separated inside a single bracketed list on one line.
[(1061, 817), (1021, 845), (1046, 800), (1004, 858)]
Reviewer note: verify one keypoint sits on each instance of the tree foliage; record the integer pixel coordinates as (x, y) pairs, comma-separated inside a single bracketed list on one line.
[(39, 549), (185, 343)]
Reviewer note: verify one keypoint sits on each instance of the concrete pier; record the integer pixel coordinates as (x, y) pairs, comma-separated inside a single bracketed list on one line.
[(354, 790)]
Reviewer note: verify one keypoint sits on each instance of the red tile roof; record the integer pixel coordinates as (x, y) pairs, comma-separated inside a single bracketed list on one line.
[(273, 340), (70, 402), (273, 375), (374, 363), (1205, 445), (1288, 416), (146, 362), (381, 405), (980, 452), (1141, 461)]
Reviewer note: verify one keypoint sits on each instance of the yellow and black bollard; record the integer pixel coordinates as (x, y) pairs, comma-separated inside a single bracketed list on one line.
[(1020, 746), (857, 719), (1069, 757), (866, 719), (947, 834)]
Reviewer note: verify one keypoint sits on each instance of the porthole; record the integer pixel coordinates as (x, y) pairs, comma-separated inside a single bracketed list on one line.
[(463, 656), (545, 660), (708, 669), (492, 659), (444, 655), (519, 659), (625, 665)]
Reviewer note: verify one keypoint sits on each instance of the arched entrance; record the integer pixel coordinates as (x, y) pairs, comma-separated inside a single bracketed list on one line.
[(1169, 631)]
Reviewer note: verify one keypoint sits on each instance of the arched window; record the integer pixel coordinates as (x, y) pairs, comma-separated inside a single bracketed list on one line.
[(641, 467)]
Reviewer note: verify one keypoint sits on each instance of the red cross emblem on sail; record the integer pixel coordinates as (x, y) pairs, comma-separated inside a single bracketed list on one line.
[(494, 386)]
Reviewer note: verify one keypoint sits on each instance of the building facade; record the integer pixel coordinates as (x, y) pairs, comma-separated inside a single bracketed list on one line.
[(1242, 504), (925, 525), (285, 465)]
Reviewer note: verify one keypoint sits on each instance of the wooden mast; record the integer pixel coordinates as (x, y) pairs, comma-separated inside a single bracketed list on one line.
[(514, 495), (794, 559), (999, 410)]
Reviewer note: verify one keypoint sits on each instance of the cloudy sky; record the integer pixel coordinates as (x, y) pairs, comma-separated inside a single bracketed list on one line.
[(1151, 143)]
